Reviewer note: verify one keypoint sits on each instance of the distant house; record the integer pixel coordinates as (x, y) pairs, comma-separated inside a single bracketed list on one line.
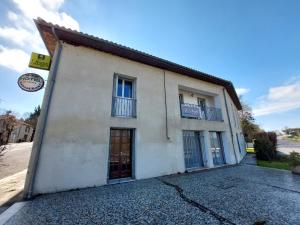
[(22, 133), (292, 131), (118, 114), (3, 132)]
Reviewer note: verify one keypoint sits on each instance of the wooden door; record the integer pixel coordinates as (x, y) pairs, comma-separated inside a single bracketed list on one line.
[(120, 153)]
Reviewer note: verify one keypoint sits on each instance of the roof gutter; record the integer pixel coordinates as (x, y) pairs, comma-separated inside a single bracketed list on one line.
[(42, 122)]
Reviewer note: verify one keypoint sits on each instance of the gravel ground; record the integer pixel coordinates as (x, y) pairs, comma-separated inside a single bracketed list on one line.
[(243, 194)]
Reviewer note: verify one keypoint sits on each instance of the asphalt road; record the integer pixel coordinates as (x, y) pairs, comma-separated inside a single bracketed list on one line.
[(286, 146), (15, 159)]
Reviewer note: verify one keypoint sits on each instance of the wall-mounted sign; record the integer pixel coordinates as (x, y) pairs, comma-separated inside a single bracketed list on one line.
[(192, 111), (31, 82), (40, 61)]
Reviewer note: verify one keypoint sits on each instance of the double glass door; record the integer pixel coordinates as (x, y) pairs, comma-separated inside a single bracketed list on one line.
[(192, 149)]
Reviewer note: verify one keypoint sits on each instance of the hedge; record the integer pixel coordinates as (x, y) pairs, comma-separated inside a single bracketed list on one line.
[(265, 145)]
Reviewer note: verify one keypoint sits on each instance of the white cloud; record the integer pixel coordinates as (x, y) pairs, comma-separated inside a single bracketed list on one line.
[(242, 91), (48, 10), (19, 36), (15, 59), (22, 32), (12, 16), (280, 99)]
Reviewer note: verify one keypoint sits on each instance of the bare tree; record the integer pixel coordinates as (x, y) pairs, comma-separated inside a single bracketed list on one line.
[(8, 123), (249, 127)]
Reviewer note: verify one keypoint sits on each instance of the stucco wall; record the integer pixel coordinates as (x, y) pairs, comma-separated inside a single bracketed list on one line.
[(75, 149)]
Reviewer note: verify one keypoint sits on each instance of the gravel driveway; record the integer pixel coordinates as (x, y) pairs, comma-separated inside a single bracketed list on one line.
[(242, 194)]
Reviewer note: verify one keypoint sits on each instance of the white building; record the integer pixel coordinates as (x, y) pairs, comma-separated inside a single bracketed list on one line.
[(113, 114), (22, 133)]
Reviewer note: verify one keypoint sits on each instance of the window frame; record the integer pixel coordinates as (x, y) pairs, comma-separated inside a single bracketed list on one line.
[(124, 78), (116, 77)]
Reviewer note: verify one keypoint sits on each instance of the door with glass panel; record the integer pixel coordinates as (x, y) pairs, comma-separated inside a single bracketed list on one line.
[(124, 102), (217, 148), (192, 149)]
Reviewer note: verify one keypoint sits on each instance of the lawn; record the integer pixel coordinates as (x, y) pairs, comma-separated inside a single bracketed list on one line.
[(278, 164)]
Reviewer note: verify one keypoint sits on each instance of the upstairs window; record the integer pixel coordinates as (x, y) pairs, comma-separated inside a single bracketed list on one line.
[(124, 88), (124, 102)]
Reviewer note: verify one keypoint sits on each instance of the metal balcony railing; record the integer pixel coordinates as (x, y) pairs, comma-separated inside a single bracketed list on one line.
[(123, 107), (196, 112)]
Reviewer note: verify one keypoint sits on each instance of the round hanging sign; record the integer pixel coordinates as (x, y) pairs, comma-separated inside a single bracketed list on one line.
[(31, 82)]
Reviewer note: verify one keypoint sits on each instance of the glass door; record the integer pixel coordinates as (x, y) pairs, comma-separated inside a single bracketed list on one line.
[(192, 150), (217, 148)]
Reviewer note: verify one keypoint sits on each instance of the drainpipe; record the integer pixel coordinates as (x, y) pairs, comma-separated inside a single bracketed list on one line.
[(231, 132), (42, 122), (166, 107)]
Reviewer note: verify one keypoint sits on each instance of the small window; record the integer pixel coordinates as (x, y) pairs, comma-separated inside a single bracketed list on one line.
[(124, 88), (124, 102)]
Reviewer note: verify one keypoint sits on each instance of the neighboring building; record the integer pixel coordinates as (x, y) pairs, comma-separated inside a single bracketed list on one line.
[(292, 131), (3, 132), (22, 133), (117, 114)]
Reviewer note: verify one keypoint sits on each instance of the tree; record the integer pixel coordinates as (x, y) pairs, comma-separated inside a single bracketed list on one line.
[(249, 127), (32, 119), (8, 123)]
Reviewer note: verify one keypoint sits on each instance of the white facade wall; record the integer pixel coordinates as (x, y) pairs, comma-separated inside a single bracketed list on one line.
[(75, 149)]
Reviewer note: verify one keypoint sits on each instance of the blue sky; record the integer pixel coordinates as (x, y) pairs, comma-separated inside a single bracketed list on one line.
[(255, 44)]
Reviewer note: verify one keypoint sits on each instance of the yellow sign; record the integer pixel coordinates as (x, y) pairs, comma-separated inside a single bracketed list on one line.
[(40, 61)]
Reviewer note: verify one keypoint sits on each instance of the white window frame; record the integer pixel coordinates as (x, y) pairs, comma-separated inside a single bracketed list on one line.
[(117, 77)]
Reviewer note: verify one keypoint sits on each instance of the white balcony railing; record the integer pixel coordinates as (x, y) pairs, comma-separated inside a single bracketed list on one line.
[(124, 107)]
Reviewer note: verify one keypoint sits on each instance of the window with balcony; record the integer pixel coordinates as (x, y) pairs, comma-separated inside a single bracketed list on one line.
[(124, 102), (199, 110)]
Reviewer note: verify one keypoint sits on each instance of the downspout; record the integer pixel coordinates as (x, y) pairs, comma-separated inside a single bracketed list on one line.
[(231, 132), (166, 107), (42, 122)]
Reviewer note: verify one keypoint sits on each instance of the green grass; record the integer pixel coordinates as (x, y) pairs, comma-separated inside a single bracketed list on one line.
[(250, 150), (278, 164)]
